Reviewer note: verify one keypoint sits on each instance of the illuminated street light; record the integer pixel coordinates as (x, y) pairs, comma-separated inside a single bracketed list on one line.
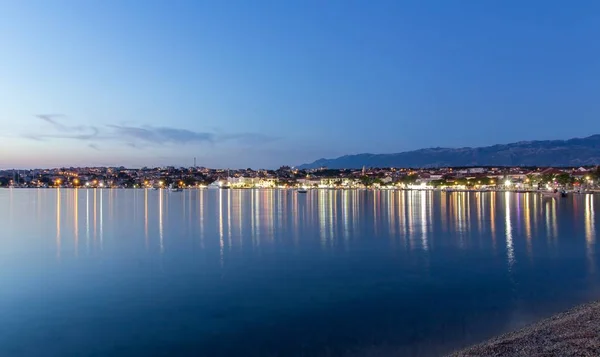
[(507, 183)]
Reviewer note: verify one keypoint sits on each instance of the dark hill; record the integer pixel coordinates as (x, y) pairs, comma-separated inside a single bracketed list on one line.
[(572, 152)]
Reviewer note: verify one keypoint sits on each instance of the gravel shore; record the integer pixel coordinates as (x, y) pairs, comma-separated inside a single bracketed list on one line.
[(572, 333)]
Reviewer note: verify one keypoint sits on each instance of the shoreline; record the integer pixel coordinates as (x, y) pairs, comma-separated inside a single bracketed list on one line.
[(575, 332), (318, 189)]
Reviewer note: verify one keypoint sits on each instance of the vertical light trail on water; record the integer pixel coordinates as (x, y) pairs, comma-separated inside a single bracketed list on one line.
[(252, 219), (391, 213), (590, 231), (257, 223), (296, 217), (493, 219), (430, 203), (76, 219), (424, 221), (509, 238), (375, 216), (355, 205), (444, 211), (479, 197), (239, 206), (322, 218), (160, 221), (535, 215), (229, 219), (554, 220), (201, 220), (101, 220), (95, 217), (346, 214), (467, 209), (221, 243), (87, 221), (410, 217), (58, 238), (146, 218), (527, 213), (548, 230), (332, 212)]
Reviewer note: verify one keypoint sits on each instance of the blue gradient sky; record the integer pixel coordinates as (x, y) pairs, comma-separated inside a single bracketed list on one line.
[(266, 83)]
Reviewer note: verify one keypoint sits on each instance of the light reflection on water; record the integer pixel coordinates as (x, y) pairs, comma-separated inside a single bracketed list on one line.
[(280, 273)]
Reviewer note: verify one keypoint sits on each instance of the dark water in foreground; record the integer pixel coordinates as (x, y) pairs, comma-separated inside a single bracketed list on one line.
[(276, 273)]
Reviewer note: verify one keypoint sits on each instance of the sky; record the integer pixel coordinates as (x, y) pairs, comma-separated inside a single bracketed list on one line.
[(267, 83)]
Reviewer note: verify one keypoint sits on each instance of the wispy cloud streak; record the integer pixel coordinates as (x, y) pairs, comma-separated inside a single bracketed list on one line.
[(161, 135), (139, 137)]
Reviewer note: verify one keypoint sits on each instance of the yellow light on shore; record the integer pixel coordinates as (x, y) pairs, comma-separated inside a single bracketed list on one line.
[(76, 181), (507, 183)]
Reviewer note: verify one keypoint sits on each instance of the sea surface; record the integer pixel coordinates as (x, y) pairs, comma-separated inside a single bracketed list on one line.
[(112, 272)]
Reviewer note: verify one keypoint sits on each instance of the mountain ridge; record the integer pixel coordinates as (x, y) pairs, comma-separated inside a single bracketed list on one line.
[(569, 152)]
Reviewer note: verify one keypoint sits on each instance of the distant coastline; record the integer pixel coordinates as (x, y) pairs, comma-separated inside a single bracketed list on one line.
[(472, 179), (590, 191)]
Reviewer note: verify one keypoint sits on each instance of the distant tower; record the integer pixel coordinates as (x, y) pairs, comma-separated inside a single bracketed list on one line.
[(364, 171), (194, 162)]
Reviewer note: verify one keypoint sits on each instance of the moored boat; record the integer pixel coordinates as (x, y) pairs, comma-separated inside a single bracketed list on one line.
[(173, 188), (555, 193)]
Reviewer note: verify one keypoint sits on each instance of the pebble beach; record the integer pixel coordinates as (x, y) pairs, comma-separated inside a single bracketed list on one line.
[(572, 333)]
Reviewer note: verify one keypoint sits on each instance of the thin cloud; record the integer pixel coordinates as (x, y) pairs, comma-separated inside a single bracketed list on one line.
[(50, 118), (87, 132), (161, 135), (140, 137)]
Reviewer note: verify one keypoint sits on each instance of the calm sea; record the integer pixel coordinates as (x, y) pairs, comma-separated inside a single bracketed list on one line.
[(278, 273)]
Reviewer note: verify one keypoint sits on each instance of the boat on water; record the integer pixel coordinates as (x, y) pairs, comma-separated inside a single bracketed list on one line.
[(555, 193), (302, 190), (173, 188), (224, 186)]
